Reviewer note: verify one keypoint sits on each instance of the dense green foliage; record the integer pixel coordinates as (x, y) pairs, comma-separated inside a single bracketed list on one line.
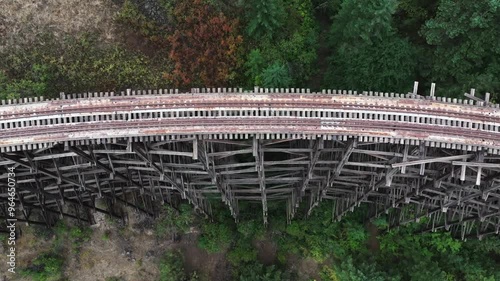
[(46, 267), (464, 39), (173, 221), (83, 65), (350, 249), (76, 234), (345, 249), (218, 235), (283, 52), (264, 18), (363, 45), (35, 83), (367, 51), (259, 272), (171, 268)]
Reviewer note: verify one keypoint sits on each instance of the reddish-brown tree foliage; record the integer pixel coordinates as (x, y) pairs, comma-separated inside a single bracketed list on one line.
[(204, 45)]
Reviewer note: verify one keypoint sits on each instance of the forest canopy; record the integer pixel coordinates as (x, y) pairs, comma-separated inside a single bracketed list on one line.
[(380, 45)]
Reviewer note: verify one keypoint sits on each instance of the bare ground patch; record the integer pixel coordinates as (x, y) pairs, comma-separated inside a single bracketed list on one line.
[(128, 252), (207, 265), (22, 21), (306, 268), (28, 247), (131, 252), (266, 251)]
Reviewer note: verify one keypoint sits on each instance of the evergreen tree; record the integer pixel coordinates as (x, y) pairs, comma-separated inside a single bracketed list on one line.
[(367, 51), (466, 40)]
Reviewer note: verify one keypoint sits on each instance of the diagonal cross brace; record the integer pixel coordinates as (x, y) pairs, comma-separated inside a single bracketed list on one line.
[(53, 176), (386, 181), (209, 166), (179, 187), (349, 148), (317, 148), (363, 197), (163, 176), (424, 186), (110, 170)]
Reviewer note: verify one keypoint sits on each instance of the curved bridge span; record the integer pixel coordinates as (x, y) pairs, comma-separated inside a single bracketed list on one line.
[(410, 157)]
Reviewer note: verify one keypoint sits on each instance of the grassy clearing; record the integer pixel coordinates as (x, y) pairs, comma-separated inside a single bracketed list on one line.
[(59, 17)]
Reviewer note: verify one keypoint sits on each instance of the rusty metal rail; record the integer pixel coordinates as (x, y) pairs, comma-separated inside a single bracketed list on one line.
[(435, 123)]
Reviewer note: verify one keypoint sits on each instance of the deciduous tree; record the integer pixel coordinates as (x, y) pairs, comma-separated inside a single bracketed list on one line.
[(204, 46)]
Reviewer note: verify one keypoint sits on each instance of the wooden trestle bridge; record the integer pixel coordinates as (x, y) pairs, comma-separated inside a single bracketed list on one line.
[(406, 155)]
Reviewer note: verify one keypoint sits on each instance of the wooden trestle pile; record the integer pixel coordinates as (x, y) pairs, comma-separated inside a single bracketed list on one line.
[(406, 155)]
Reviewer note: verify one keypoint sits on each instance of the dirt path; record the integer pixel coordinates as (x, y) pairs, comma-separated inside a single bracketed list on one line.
[(373, 243), (266, 251), (207, 266)]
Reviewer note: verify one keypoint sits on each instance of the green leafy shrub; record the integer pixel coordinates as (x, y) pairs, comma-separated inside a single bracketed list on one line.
[(81, 65), (251, 228), (354, 235), (219, 234), (381, 222), (463, 53), (130, 16), (171, 220), (79, 235), (348, 271), (242, 252), (258, 272), (76, 234), (317, 237), (215, 237), (328, 274), (46, 267), (35, 83), (254, 65), (171, 267)]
